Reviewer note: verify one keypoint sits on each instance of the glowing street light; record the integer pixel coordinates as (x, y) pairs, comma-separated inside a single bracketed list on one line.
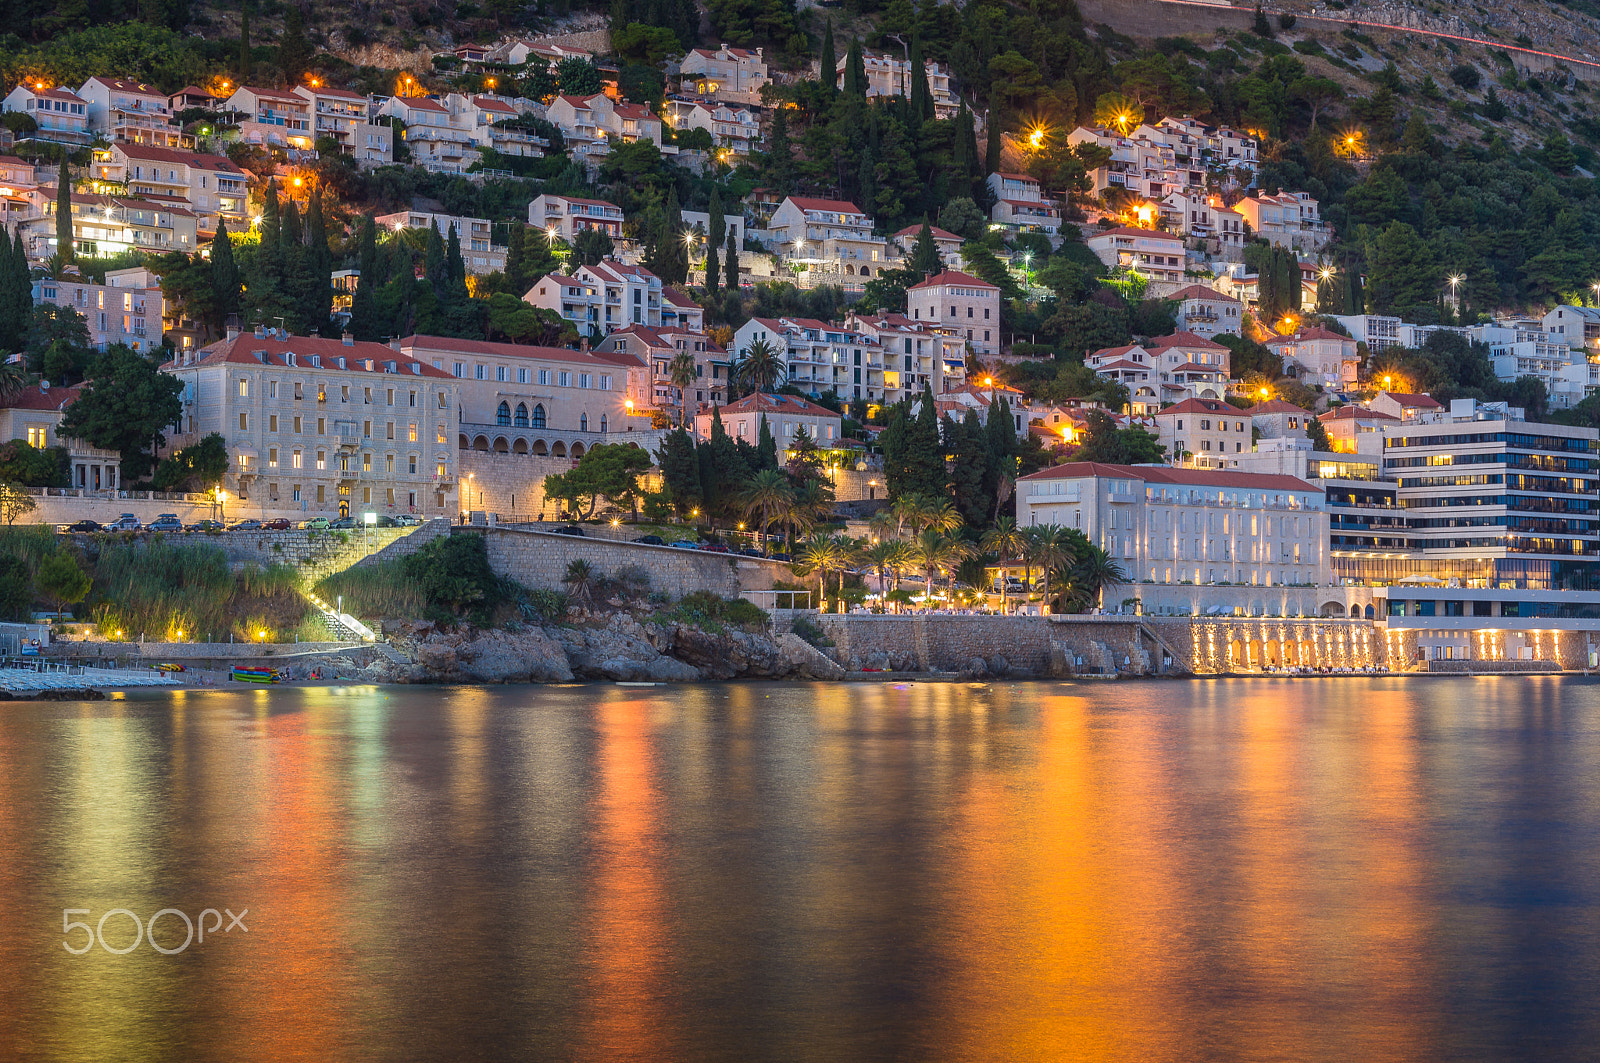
[(1386, 383)]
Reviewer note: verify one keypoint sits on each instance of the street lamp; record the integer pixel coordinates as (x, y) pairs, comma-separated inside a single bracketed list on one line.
[(1386, 383)]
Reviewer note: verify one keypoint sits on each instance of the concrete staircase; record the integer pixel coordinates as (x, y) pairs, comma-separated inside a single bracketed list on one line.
[(344, 627)]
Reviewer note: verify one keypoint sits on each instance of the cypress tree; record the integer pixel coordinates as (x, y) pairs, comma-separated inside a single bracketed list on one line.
[(515, 276), (921, 96), (730, 267), (672, 250), (21, 289), (965, 441), (991, 158), (925, 255), (294, 51), (963, 149), (433, 257), (244, 43), (722, 470), (680, 471), (224, 275), (455, 265), (64, 213), (780, 158), (766, 447), (1000, 445), (717, 231), (8, 310), (318, 303), (893, 441), (855, 72), (271, 225), (828, 75), (924, 454)]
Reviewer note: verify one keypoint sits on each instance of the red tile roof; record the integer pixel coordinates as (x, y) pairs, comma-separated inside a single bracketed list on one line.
[(450, 345), (1200, 291), (916, 230), (44, 397), (273, 94), (1356, 413), (219, 163), (953, 276), (1425, 402), (1275, 406), (1166, 474), (125, 85), (1185, 340), (1200, 406), (243, 347), (762, 402), (836, 206)]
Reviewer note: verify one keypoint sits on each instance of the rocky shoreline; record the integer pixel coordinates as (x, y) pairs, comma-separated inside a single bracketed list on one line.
[(619, 648)]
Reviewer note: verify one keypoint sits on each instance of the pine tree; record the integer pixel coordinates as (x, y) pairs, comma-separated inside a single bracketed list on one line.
[(244, 43), (855, 72), (991, 158), (766, 447), (828, 76), (925, 255), (64, 213), (224, 275), (730, 266), (718, 231)]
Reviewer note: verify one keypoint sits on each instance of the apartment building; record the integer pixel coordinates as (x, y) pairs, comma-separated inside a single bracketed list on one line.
[(1206, 312), (889, 75), (567, 216), (962, 304), (786, 416), (61, 114), (723, 71), (819, 357), (1319, 355), (324, 424), (1020, 206), (103, 225), (734, 130), (1156, 255), (1198, 215), (1143, 163), (478, 249), (211, 185), (573, 397), (1286, 219), (1204, 433), (1356, 430), (1199, 526), (589, 124), (433, 138), (128, 308), (1408, 408), (345, 117), (1221, 147), (915, 356), (34, 414), (1577, 326), (801, 220), (272, 117), (19, 179), (486, 118), (131, 111), (604, 297), (1134, 368), (657, 348), (948, 243)]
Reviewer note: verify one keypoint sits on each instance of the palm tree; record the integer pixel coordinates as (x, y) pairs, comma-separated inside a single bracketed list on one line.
[(943, 517), (825, 554), (932, 551), (681, 372), (885, 555), (812, 504), (768, 493), (581, 580), (1007, 540), (13, 380), (759, 368), (1093, 570), (1050, 545), (907, 509), (884, 524)]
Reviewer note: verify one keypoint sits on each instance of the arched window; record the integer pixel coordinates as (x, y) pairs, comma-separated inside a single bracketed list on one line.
[(602, 424), (503, 414), (538, 416), (583, 422), (521, 420)]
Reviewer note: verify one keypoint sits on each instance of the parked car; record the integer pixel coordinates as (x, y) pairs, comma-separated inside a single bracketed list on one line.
[(205, 526), (686, 544), (314, 524), (751, 551), (568, 529), (126, 522), (407, 520), (715, 548), (276, 524), (166, 522), (651, 540), (781, 556), (245, 525), (83, 526), (342, 524)]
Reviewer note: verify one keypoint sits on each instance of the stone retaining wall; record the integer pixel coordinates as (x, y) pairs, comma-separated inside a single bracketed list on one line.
[(539, 559), (314, 554)]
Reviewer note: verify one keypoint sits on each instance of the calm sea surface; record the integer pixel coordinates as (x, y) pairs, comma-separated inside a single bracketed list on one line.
[(1342, 869)]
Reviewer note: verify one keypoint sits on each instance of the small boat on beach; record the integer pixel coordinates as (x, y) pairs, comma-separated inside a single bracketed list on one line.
[(255, 675)]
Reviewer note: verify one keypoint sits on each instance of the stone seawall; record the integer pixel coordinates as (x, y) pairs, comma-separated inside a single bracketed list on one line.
[(539, 559), (314, 554), (1103, 644)]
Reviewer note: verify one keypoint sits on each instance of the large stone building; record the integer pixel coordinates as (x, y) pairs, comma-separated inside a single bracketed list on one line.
[(324, 425), (1172, 526), (962, 304), (786, 416), (128, 308)]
